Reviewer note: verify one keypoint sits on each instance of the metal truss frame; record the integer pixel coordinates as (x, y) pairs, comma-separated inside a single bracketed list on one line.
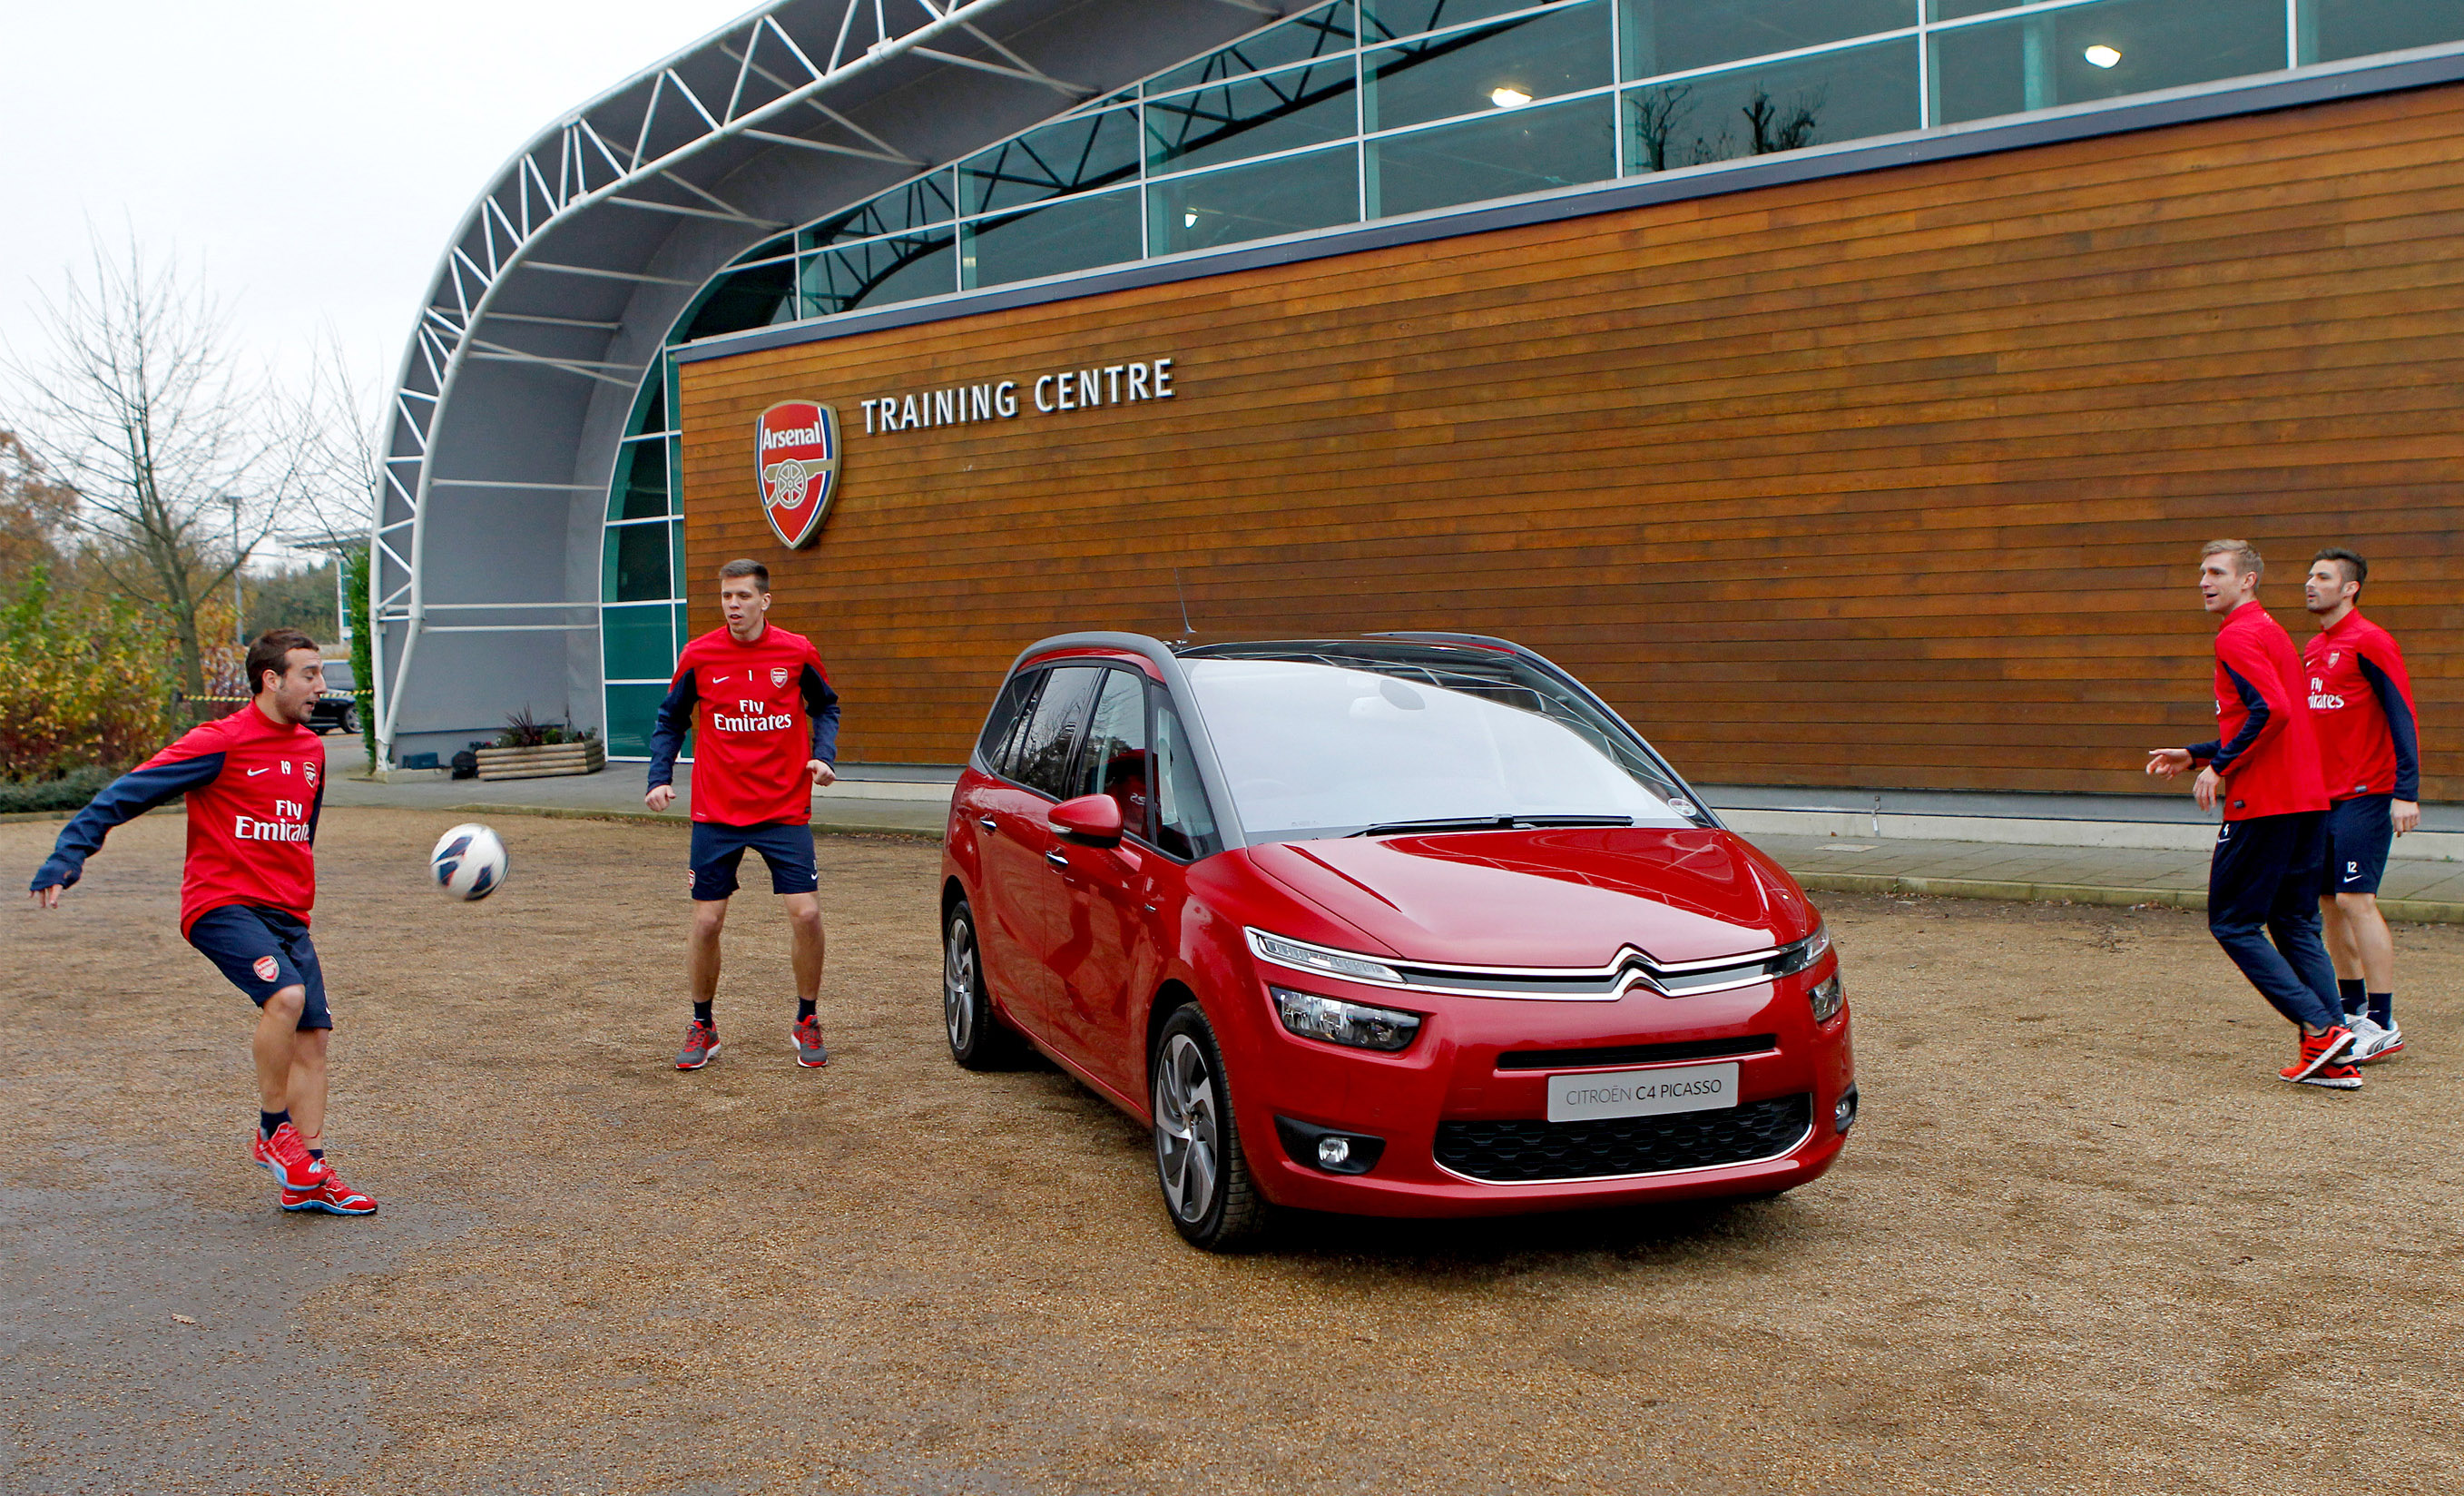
[(628, 149)]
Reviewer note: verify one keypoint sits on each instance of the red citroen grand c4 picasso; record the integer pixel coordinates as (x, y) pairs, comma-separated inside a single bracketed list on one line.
[(1402, 925)]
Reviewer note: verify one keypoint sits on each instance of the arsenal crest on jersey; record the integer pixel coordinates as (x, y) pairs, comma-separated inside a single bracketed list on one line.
[(778, 676), (796, 461)]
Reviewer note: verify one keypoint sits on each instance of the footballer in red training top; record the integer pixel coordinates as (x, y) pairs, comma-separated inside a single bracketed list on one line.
[(2262, 771), (255, 782), (766, 734), (2369, 754)]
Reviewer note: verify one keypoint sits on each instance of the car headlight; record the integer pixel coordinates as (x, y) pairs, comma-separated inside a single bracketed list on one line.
[(1341, 1023), (1319, 958), (1804, 954), (1825, 996)]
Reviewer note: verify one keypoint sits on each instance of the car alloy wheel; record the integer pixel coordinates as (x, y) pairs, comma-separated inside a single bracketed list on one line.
[(1205, 1178), (978, 1040)]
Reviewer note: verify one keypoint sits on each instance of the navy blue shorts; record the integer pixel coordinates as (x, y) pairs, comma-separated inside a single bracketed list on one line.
[(263, 950), (717, 848), (2359, 834)]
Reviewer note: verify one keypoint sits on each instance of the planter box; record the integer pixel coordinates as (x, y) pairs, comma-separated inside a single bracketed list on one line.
[(533, 763)]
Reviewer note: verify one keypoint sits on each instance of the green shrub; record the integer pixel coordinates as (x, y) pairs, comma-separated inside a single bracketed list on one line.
[(68, 792), (78, 693)]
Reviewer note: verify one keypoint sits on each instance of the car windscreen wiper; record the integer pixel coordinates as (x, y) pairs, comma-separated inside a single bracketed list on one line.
[(1488, 824)]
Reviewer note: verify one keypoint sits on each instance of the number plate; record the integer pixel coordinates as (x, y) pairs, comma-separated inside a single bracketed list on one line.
[(1641, 1093)]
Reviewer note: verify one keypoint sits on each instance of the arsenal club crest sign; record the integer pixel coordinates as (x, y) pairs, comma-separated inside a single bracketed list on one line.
[(797, 466)]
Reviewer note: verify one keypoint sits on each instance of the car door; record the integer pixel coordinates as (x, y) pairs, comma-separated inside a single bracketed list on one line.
[(1102, 948), (1023, 891)]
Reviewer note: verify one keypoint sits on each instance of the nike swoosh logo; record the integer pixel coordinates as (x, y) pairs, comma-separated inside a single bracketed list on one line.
[(716, 679), (253, 772)]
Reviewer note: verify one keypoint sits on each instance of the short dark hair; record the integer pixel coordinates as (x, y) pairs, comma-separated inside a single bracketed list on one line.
[(754, 569), (2356, 570), (272, 651)]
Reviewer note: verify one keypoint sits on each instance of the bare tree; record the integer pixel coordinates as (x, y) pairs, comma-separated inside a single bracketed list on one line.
[(183, 463)]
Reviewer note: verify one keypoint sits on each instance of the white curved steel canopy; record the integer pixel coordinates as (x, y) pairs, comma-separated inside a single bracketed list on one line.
[(561, 283)]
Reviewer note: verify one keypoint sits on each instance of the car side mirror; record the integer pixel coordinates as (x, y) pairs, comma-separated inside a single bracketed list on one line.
[(1090, 820)]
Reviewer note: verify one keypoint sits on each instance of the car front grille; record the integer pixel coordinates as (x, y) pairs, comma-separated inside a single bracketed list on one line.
[(1530, 1152)]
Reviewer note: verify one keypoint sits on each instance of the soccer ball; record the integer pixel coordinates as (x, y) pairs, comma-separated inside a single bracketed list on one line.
[(469, 862)]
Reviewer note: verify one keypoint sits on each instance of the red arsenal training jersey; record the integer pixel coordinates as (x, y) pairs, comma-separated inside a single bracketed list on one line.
[(759, 713), (254, 788), (2361, 704), (2266, 750)]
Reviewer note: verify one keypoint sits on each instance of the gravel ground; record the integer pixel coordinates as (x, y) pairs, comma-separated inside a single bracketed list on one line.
[(2081, 1241)]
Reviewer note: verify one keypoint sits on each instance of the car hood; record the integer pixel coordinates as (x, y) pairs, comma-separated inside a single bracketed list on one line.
[(1554, 897)]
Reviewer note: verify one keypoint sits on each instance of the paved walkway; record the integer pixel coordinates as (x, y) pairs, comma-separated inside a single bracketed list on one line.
[(2415, 889)]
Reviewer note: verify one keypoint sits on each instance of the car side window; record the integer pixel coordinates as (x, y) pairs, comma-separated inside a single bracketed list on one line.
[(1045, 747), (1184, 825), (992, 749), (1115, 762)]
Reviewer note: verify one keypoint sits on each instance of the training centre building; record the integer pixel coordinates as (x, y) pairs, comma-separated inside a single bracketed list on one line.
[(1843, 388)]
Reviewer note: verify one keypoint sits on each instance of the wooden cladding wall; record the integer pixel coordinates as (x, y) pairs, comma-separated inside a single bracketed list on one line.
[(1892, 481)]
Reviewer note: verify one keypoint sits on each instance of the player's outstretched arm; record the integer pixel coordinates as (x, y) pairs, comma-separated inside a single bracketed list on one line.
[(165, 775)]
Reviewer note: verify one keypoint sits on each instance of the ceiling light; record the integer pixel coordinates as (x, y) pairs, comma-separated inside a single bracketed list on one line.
[(1508, 96), (2102, 55), (1189, 219)]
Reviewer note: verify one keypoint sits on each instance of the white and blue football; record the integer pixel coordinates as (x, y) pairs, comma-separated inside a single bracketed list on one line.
[(469, 862)]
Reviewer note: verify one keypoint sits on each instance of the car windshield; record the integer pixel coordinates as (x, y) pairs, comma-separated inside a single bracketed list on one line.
[(1420, 738), (338, 674)]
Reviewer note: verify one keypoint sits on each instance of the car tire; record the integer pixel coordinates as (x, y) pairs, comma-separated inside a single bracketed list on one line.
[(351, 720), (978, 1039), (1204, 1175)]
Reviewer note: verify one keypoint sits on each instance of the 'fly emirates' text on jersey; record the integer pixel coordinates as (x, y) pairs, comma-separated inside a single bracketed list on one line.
[(760, 711), (2267, 752), (254, 788), (2360, 704)]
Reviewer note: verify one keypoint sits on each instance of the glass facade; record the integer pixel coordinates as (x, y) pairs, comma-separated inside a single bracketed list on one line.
[(1365, 109)]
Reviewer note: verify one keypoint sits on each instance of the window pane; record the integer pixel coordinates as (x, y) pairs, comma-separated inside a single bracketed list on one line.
[(637, 563), (1288, 196), (1296, 40), (1528, 150), (767, 250), (877, 274), (1006, 708), (1674, 36), (1233, 121), (684, 631), (640, 490), (2100, 51), (633, 711), (1953, 9), (1078, 234), (653, 413), (676, 558), (912, 205), (744, 298), (1052, 733), (2333, 29), (1818, 101), (1184, 825), (1070, 157), (636, 641), (1467, 72), (1115, 761), (1384, 20)]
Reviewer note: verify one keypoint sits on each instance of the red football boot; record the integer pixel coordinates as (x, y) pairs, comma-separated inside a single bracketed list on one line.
[(2318, 1051), (286, 1157), (806, 1040), (333, 1196)]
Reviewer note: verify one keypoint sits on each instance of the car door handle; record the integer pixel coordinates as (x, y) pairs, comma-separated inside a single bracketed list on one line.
[(1057, 858), (989, 824)]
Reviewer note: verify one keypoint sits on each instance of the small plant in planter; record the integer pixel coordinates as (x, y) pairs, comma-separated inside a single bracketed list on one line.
[(529, 748)]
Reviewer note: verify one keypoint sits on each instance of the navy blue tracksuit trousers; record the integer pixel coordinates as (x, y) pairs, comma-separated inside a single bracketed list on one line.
[(2263, 885)]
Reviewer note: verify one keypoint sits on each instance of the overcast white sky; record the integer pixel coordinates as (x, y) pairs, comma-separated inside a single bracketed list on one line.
[(307, 160)]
